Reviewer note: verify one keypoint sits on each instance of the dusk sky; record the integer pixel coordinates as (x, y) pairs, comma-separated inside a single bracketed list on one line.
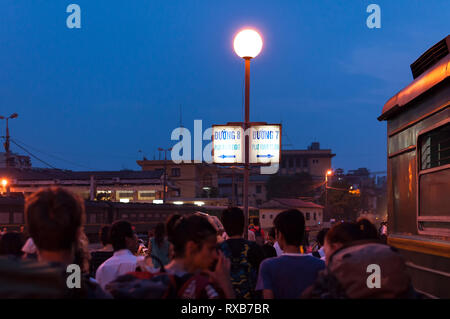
[(91, 98)]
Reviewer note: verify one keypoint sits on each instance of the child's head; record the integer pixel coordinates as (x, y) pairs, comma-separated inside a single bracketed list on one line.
[(194, 240), (339, 235), (290, 228)]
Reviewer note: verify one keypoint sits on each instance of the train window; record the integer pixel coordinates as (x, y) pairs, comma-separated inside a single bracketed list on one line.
[(435, 148), (146, 195), (18, 218), (433, 181)]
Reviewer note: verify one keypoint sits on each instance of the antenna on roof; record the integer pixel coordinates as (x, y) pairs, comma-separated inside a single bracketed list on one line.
[(284, 137)]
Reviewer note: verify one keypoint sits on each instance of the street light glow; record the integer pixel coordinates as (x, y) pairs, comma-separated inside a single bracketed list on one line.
[(4, 182), (248, 43), (329, 172)]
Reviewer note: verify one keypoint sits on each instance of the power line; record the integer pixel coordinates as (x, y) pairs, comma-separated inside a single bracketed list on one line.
[(34, 156), (54, 156)]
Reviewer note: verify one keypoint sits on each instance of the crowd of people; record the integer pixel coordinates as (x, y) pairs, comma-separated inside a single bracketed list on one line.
[(190, 257)]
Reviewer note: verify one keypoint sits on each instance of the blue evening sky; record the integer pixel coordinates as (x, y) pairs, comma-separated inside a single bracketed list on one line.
[(93, 97)]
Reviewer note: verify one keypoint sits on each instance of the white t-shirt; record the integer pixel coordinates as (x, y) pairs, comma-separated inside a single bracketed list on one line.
[(122, 262)]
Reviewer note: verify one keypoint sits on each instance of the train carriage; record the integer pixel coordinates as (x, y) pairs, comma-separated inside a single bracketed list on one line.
[(418, 149)]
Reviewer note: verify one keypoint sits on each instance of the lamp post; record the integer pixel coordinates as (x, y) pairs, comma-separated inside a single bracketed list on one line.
[(329, 173), (165, 170), (6, 144), (247, 44)]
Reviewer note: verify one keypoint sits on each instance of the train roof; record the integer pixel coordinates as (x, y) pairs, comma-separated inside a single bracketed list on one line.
[(432, 68)]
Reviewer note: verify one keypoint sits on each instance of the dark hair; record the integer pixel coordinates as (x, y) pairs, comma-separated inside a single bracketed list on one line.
[(321, 236), (105, 235), (191, 228), (120, 230), (160, 232), (11, 243), (343, 233), (367, 229), (170, 224), (54, 217), (291, 223), (233, 221)]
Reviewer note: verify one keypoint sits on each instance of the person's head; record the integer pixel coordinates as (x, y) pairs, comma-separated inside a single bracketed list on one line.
[(321, 236), (122, 236), (160, 233), (194, 240), (339, 235), (367, 230), (170, 224), (11, 243), (105, 235), (290, 228), (233, 221), (54, 217)]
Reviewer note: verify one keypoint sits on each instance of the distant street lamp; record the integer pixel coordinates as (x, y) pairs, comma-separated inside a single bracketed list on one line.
[(165, 170), (329, 173), (247, 44), (5, 186)]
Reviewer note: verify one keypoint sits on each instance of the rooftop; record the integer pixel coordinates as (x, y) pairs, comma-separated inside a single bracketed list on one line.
[(289, 203)]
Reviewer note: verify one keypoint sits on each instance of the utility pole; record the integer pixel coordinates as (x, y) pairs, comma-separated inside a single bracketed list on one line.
[(6, 144), (233, 188), (165, 171)]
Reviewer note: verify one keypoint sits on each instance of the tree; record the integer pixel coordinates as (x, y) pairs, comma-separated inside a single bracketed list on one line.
[(341, 203)]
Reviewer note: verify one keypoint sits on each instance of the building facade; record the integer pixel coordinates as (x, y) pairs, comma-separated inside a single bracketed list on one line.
[(312, 212), (314, 161), (14, 160), (116, 186), (187, 181)]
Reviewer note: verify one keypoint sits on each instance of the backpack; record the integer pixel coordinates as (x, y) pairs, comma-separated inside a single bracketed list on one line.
[(162, 285), (243, 274), (346, 274)]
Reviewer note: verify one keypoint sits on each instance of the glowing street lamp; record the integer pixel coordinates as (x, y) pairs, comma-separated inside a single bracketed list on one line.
[(247, 45), (4, 183)]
